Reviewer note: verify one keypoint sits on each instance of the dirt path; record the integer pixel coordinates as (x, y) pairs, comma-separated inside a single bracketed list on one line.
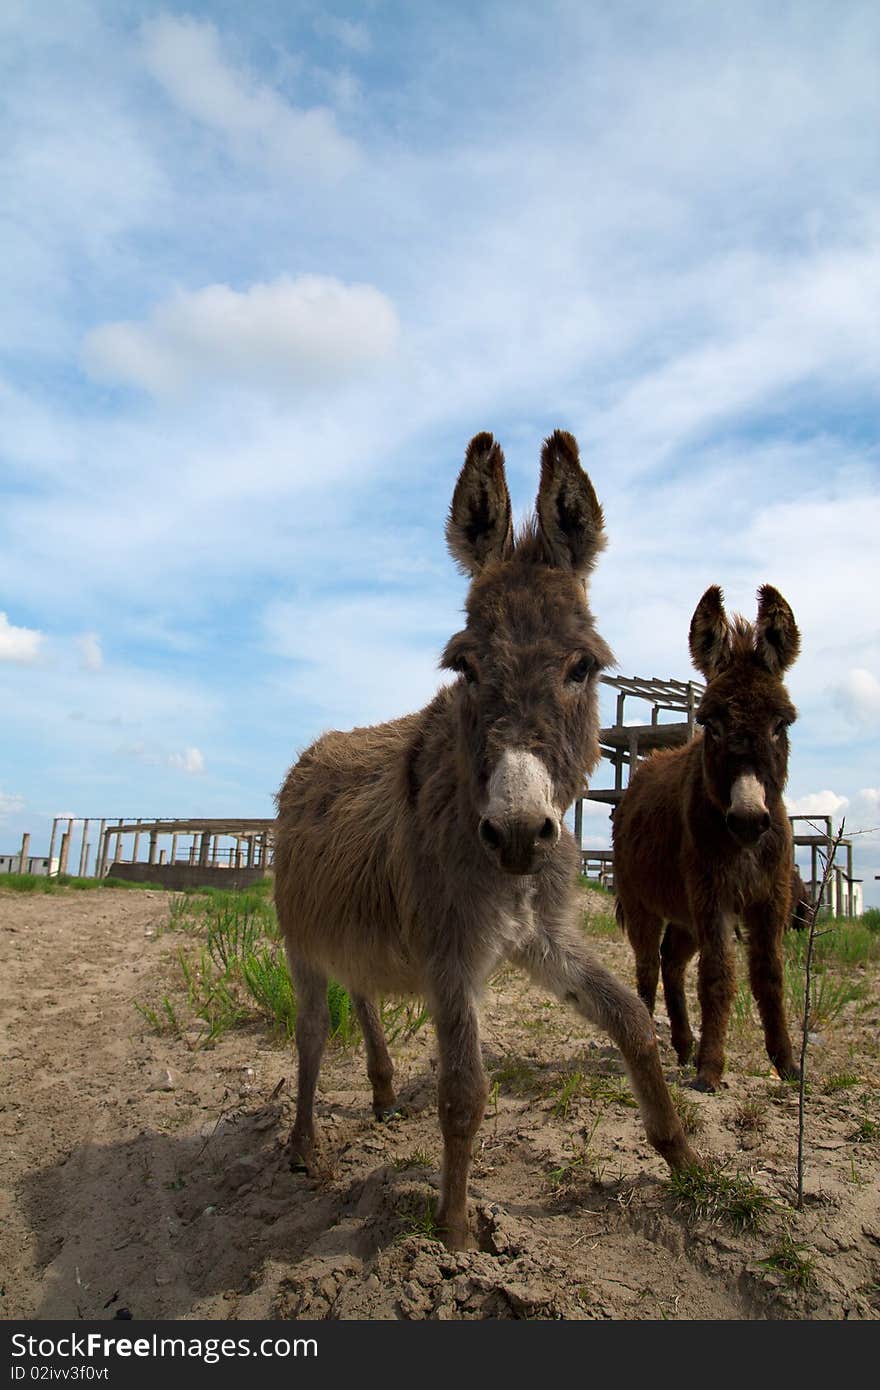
[(143, 1172)]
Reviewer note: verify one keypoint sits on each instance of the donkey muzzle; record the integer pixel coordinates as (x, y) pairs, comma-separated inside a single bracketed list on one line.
[(519, 846), (520, 824), (747, 817)]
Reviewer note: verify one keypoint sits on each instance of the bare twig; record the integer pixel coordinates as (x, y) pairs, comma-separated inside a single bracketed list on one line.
[(814, 912)]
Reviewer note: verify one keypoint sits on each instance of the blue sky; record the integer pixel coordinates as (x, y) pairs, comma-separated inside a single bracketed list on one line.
[(267, 268)]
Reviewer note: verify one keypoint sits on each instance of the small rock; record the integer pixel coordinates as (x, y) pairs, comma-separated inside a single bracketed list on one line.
[(163, 1081)]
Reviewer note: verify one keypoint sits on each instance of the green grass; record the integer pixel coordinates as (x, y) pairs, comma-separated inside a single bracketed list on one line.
[(841, 1081), (711, 1194), (344, 1026), (839, 951), (595, 886), (211, 994), (788, 1260), (403, 1018), (865, 1132), (419, 1216), (751, 1115), (689, 1110), (59, 883), (585, 1162), (518, 1076), (602, 924), (267, 980), (239, 974), (419, 1158), (829, 992), (566, 1093), (840, 943)]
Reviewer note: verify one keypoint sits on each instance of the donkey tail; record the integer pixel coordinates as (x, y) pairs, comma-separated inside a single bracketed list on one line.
[(618, 912)]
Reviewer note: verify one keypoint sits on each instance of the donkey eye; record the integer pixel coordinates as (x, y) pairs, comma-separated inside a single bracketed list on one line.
[(581, 670), (779, 728), (713, 728)]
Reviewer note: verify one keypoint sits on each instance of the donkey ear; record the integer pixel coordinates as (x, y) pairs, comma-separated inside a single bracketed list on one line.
[(569, 515), (479, 527), (709, 636), (777, 639)]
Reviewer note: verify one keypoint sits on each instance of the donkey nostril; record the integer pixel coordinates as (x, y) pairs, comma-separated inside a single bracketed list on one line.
[(489, 834), (765, 820), (547, 831)]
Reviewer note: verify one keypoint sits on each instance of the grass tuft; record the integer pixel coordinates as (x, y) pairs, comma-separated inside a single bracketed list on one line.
[(689, 1110), (710, 1194), (788, 1260)]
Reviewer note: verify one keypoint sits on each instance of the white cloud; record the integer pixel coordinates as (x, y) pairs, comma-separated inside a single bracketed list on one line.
[(191, 761), (184, 55), (10, 804), (91, 656), (294, 334), (825, 803), (20, 644), (360, 659), (858, 695)]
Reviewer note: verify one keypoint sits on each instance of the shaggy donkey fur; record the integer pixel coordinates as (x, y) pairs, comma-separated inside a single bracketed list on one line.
[(415, 856), (701, 837)]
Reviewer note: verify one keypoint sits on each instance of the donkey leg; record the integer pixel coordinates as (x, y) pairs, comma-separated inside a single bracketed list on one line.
[(677, 949), (715, 987), (380, 1068), (765, 928), (312, 1028), (644, 930), (557, 958), (462, 1093)]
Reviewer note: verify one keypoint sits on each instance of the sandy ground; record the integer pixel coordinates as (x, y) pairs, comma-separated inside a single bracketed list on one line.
[(147, 1172)]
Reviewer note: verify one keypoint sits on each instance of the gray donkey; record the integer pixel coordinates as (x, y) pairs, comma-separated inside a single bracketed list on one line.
[(414, 857)]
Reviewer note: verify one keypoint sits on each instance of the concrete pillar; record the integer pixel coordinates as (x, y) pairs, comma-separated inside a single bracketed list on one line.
[(52, 844), (579, 824), (102, 850), (204, 849), (25, 851), (214, 849), (161, 856), (84, 854), (154, 840), (137, 840), (174, 849), (65, 849), (251, 843)]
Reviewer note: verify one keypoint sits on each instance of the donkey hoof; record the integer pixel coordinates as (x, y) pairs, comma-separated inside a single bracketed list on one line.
[(706, 1083), (792, 1073), (384, 1113), (300, 1159)]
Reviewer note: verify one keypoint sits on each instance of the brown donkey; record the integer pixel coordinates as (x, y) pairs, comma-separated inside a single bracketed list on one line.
[(415, 856), (701, 837)]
